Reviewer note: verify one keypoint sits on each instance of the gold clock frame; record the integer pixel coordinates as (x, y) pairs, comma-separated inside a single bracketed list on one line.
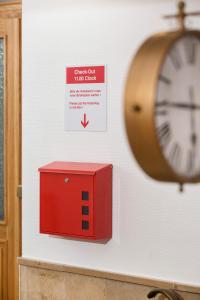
[(140, 97)]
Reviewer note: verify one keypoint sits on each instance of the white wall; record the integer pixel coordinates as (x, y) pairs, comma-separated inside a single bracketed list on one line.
[(156, 230)]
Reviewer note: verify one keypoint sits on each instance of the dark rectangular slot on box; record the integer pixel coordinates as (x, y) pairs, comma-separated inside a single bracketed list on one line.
[(85, 225), (85, 195), (85, 210)]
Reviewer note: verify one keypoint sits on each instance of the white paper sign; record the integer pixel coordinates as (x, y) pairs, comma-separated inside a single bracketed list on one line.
[(86, 103)]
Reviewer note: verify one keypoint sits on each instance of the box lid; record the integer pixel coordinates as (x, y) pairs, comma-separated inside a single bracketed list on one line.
[(73, 167)]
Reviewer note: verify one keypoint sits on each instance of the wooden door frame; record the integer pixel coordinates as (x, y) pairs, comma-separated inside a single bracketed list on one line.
[(14, 10)]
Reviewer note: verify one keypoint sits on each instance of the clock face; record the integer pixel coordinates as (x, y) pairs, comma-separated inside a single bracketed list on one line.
[(177, 107)]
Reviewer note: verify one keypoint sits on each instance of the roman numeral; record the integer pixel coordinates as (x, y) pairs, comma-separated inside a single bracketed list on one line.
[(175, 59), (191, 93), (165, 79), (161, 112), (161, 108), (162, 103), (175, 154), (164, 134), (190, 52), (190, 161)]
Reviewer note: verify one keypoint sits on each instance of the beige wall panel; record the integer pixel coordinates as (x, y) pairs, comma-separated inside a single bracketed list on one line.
[(46, 281), (41, 284), (84, 287), (44, 284), (117, 290), (189, 296)]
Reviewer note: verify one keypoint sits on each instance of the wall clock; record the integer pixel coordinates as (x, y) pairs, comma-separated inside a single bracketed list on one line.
[(162, 104)]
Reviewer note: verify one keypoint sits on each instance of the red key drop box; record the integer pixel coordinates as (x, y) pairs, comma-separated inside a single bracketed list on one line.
[(76, 200)]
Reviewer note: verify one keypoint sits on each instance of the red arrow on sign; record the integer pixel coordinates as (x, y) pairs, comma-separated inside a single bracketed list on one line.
[(85, 123)]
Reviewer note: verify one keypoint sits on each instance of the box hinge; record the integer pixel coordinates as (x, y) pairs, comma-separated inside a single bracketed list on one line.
[(19, 191)]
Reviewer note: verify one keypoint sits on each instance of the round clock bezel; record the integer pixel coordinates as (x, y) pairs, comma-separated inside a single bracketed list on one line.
[(140, 99)]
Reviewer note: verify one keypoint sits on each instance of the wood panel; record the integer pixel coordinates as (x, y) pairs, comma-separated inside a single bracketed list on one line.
[(10, 10), (41, 280), (3, 270), (13, 164), (10, 227)]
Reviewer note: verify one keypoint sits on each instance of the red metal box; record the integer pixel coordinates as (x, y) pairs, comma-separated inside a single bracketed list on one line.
[(76, 200)]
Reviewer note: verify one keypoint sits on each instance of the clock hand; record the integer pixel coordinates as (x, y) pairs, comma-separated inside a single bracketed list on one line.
[(191, 106), (192, 118)]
